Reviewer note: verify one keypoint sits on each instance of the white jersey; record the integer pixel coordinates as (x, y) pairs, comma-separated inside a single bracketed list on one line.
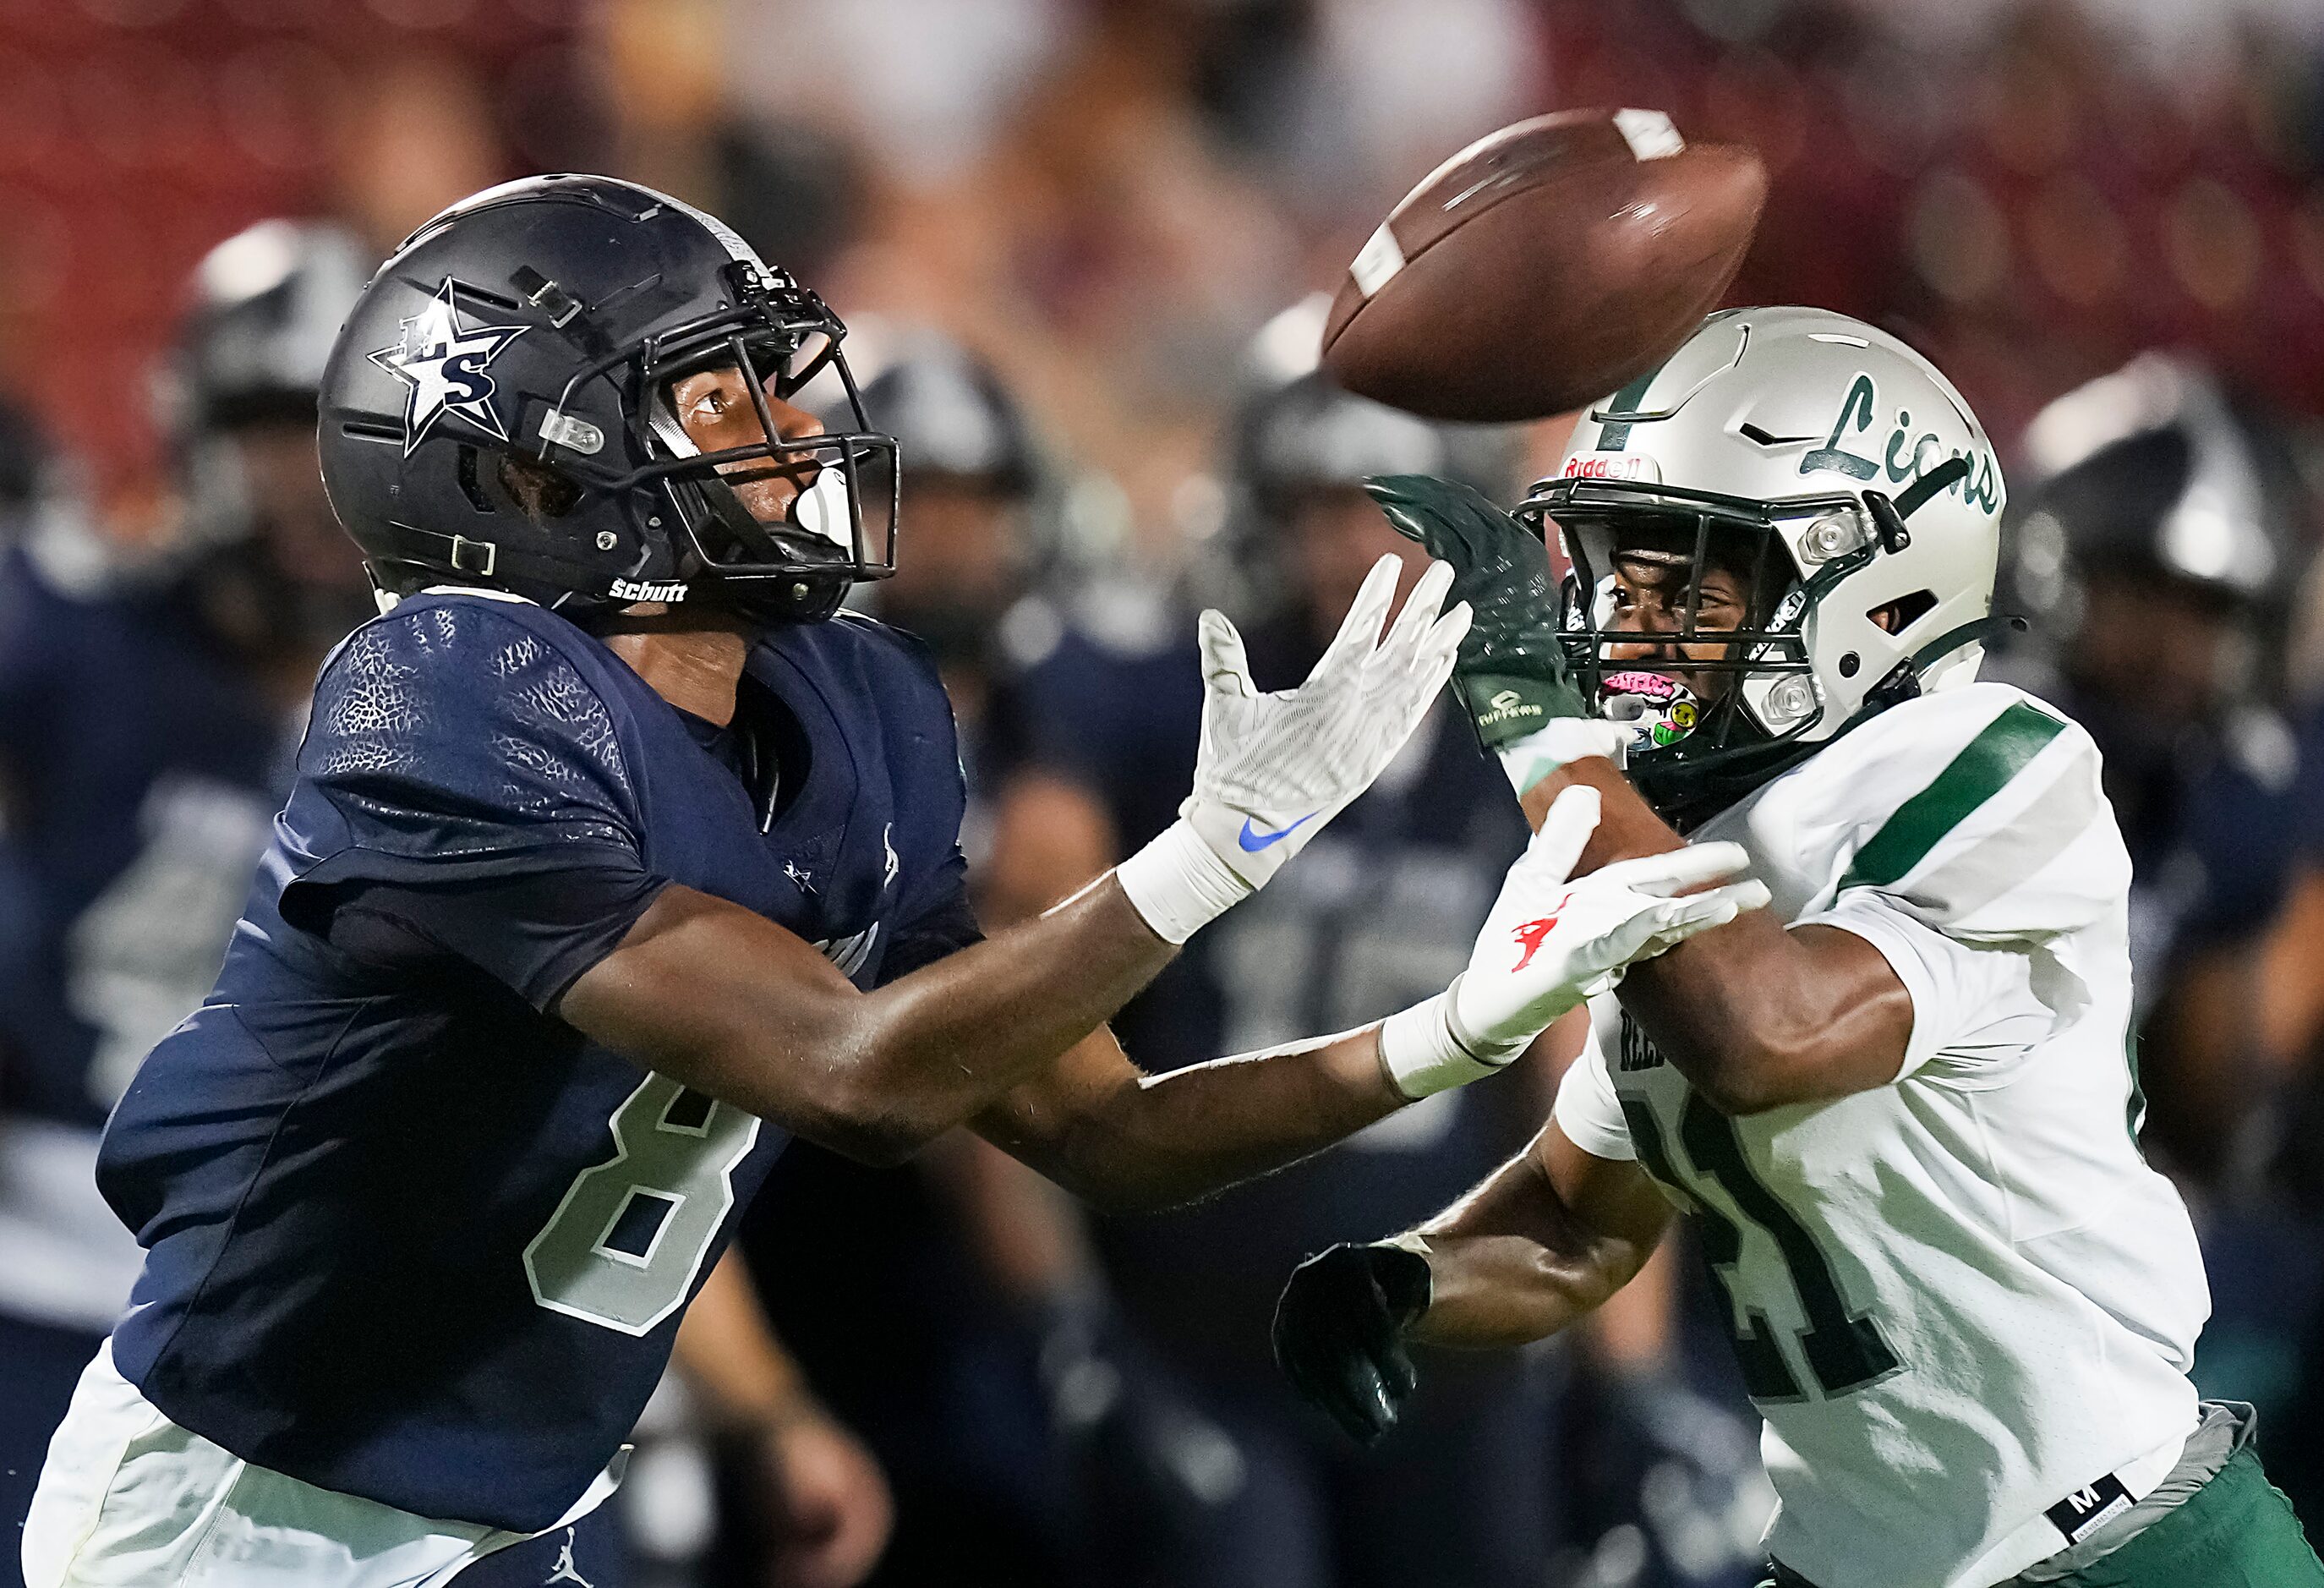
[(1959, 1297)]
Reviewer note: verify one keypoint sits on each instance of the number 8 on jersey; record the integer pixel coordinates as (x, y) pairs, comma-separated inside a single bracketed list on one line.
[(627, 1241)]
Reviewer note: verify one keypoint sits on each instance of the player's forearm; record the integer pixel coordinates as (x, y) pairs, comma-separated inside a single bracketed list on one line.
[(931, 1050), (1509, 1263), (1628, 825), (1755, 1015), (731, 1356), (1154, 1142), (729, 1003), (1772, 1017)]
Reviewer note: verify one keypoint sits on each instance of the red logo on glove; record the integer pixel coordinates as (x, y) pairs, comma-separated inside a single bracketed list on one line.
[(1531, 935)]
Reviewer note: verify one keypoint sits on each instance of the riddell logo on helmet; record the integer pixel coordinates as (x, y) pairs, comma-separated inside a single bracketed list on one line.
[(647, 590), (1613, 465)]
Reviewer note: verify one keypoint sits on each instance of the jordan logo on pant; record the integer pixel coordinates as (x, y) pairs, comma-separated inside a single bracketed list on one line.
[(566, 1571)]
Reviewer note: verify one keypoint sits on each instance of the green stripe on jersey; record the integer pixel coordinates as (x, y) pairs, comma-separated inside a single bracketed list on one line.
[(1973, 777)]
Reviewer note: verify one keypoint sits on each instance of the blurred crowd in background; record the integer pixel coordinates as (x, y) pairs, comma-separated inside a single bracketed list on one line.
[(1079, 245)]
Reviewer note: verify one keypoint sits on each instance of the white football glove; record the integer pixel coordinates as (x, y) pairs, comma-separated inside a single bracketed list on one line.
[(1551, 943), (1274, 768)]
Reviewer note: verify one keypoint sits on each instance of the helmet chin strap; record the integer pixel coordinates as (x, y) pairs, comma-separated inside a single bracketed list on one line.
[(667, 430)]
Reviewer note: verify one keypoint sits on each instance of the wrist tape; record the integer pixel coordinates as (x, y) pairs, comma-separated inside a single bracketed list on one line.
[(1179, 884), (1425, 1051)]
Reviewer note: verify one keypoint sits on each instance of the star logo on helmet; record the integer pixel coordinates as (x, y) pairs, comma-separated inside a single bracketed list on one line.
[(441, 362)]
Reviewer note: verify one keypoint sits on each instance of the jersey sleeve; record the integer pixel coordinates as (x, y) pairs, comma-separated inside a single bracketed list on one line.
[(1988, 823), (533, 932), (1588, 1111), (945, 925), (456, 742), (463, 790), (1977, 1008)]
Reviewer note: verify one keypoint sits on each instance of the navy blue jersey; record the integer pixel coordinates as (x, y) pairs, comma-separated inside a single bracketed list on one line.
[(410, 1236), (137, 776)]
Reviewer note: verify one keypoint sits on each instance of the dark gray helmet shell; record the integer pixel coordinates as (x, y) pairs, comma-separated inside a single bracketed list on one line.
[(488, 412)]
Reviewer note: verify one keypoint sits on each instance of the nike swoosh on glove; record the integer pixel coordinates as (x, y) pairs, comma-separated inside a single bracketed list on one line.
[(1554, 940), (1274, 768)]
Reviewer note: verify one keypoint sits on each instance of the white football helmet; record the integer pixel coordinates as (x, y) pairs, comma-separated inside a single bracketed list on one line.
[(1848, 477)]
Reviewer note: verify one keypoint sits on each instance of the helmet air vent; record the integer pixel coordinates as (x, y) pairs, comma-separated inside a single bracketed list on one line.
[(1896, 616)]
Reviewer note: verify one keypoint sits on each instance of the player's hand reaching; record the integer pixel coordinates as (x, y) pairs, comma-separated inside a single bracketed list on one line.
[(1511, 673), (1549, 943), (1274, 768), (1553, 940)]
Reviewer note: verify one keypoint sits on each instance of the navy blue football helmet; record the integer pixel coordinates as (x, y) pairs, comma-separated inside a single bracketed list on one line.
[(497, 412)]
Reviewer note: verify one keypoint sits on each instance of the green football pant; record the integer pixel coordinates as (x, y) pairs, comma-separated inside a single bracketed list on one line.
[(2236, 1531)]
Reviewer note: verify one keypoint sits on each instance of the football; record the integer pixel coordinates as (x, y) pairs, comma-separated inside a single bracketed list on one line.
[(1545, 265)]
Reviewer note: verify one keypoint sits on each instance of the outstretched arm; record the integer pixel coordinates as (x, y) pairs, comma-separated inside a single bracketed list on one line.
[(1125, 1140), (1538, 1245), (733, 1005), (1542, 1244), (1755, 1015), (1099, 1128), (730, 1003)]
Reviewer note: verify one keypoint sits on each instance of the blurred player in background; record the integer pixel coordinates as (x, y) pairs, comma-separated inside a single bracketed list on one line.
[(2160, 544), (148, 710), (969, 496), (1190, 1464), (22, 466), (266, 565), (1900, 1104)]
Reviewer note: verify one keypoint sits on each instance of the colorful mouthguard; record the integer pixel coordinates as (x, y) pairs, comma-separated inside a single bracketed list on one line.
[(1657, 708)]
